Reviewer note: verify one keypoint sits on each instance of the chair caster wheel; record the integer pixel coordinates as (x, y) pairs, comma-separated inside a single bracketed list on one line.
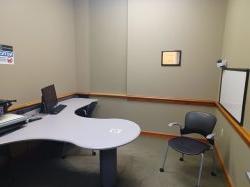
[(213, 173), (93, 153), (181, 159), (161, 170)]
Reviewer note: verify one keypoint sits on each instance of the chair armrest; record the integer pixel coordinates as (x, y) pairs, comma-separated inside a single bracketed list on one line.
[(175, 124), (210, 136)]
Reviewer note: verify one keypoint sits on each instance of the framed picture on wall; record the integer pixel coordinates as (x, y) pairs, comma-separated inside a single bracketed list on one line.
[(171, 58)]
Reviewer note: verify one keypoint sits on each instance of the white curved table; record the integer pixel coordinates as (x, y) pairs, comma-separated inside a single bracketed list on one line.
[(100, 134)]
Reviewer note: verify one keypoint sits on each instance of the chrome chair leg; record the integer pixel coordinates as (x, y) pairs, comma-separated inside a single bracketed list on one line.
[(164, 160), (182, 157), (214, 171), (200, 170)]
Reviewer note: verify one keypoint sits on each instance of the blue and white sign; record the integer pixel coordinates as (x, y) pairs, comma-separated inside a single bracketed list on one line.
[(6, 54)]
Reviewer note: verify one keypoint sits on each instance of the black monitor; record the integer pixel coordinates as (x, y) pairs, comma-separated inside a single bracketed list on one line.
[(49, 98)]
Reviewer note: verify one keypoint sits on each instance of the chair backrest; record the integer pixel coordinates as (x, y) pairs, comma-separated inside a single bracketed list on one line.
[(90, 109), (199, 122)]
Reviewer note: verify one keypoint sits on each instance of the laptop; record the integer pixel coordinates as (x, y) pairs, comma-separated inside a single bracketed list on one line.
[(49, 100)]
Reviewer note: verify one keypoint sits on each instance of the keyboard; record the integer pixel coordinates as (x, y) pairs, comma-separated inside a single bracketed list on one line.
[(11, 119), (57, 109), (11, 122)]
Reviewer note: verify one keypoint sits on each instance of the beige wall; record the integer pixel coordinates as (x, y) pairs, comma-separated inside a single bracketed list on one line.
[(247, 112), (148, 29), (149, 116), (43, 35), (108, 38), (193, 26), (82, 45), (235, 152), (236, 43), (236, 47), (156, 116), (115, 46), (198, 31)]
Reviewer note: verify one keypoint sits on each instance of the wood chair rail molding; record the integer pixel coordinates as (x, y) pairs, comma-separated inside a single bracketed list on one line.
[(111, 95), (239, 129), (182, 101), (38, 102)]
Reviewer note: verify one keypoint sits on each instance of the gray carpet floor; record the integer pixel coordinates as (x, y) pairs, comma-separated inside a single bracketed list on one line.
[(138, 166)]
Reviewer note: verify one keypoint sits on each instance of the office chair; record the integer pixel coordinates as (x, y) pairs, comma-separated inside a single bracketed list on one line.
[(195, 122), (86, 111)]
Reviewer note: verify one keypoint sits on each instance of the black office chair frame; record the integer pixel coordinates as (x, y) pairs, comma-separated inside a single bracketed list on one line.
[(199, 123)]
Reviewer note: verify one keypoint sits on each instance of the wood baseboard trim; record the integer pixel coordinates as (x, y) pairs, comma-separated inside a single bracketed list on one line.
[(242, 132), (111, 95), (37, 102), (158, 134), (239, 129), (218, 153), (209, 103), (181, 101), (222, 165)]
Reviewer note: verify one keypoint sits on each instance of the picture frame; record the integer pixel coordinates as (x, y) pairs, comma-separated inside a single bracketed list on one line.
[(171, 58)]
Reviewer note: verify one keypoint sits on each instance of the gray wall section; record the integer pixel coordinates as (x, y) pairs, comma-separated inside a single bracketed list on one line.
[(148, 29), (235, 152), (85, 45), (108, 39), (236, 46), (237, 34), (150, 116), (42, 33), (193, 26), (198, 31), (155, 117), (247, 111), (82, 45), (236, 43)]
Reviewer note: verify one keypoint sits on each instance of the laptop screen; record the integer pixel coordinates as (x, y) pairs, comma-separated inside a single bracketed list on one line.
[(49, 97)]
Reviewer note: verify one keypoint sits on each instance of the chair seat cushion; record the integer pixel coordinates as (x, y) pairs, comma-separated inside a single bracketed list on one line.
[(188, 146)]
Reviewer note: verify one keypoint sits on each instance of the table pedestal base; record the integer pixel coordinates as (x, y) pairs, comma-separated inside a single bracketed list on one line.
[(108, 167)]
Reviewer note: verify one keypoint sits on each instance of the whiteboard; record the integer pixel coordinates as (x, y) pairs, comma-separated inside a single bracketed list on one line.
[(233, 92)]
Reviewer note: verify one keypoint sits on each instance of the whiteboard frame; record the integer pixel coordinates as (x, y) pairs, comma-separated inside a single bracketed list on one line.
[(244, 96)]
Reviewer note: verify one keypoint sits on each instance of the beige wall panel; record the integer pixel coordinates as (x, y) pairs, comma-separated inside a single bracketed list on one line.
[(236, 46), (237, 34), (193, 26), (150, 116), (82, 45), (108, 38), (236, 43), (234, 151), (247, 111), (156, 116), (42, 33)]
